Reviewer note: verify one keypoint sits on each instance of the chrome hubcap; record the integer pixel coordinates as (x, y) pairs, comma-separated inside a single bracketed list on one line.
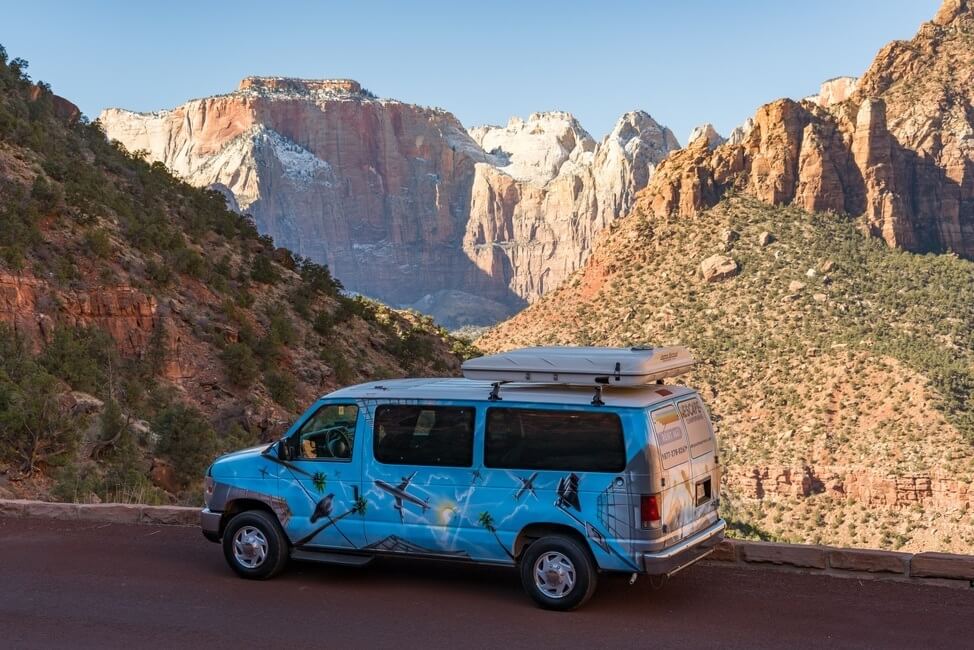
[(554, 574), (249, 547)]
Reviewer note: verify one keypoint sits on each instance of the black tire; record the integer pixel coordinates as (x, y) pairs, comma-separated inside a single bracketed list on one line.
[(585, 573), (274, 547)]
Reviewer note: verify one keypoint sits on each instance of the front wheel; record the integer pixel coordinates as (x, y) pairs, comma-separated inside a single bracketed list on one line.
[(254, 545), (558, 573)]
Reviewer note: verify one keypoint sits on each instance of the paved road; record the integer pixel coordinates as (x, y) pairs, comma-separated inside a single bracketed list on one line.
[(73, 584)]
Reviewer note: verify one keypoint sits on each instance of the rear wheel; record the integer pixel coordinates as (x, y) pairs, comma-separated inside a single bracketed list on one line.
[(558, 572), (254, 545)]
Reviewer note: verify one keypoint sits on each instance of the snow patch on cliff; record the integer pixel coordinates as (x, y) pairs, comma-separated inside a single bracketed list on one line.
[(537, 149), (299, 164)]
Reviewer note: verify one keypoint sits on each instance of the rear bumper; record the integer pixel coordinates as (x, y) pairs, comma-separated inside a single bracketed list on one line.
[(210, 524), (681, 555)]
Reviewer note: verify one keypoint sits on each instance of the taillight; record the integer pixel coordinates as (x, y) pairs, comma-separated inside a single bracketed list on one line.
[(649, 511)]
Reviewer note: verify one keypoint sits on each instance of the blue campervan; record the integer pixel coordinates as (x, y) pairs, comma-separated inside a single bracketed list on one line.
[(560, 479)]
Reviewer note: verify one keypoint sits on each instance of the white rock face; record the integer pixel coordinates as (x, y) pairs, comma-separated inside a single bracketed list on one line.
[(707, 130), (399, 200), (740, 133), (836, 90), (537, 212), (534, 151)]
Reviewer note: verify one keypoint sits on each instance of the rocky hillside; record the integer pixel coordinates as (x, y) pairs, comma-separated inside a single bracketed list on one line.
[(840, 372), (144, 327), (897, 146), (399, 200)]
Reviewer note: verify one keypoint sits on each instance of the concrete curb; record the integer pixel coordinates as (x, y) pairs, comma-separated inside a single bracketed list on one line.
[(114, 513), (946, 569)]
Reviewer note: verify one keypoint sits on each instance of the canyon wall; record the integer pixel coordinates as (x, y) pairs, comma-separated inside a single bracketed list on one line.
[(896, 146), (399, 200)]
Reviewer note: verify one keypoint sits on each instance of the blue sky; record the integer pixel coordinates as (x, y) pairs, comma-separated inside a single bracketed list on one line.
[(683, 62)]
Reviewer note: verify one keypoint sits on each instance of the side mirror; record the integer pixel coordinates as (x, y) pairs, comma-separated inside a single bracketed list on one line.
[(283, 449)]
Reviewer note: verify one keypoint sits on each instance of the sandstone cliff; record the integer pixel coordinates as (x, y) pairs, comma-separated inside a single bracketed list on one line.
[(399, 200), (896, 147), (535, 212)]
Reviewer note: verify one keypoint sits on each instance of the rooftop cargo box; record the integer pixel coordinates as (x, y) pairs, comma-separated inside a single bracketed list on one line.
[(581, 365)]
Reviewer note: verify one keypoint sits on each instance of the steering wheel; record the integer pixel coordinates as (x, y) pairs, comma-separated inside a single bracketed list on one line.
[(338, 442)]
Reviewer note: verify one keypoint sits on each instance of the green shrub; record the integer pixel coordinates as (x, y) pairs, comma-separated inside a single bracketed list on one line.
[(240, 364), (262, 270), (34, 428), (81, 357), (344, 373), (280, 329), (187, 261), (324, 323), (98, 242), (281, 386), (187, 440)]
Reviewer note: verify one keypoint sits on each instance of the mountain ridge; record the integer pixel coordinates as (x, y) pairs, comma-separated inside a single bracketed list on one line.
[(404, 204)]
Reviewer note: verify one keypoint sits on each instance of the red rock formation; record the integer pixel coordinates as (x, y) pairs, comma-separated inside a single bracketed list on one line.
[(399, 200), (943, 493), (63, 109), (899, 150), (32, 307)]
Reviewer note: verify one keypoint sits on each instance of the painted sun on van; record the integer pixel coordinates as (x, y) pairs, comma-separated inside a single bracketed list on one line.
[(564, 462)]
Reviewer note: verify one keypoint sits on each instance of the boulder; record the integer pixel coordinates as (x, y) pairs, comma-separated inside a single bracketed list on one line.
[(163, 475), (795, 286), (718, 267)]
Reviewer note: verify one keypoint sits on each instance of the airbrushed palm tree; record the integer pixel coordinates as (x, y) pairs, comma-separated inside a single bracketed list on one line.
[(487, 521), (319, 481)]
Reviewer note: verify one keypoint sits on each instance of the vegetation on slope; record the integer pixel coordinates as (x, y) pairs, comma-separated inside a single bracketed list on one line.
[(238, 337), (832, 363)]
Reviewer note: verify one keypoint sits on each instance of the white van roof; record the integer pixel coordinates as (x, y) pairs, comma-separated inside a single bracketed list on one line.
[(472, 390), (586, 366)]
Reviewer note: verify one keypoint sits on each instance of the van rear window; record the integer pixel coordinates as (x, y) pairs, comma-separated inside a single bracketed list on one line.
[(577, 441)]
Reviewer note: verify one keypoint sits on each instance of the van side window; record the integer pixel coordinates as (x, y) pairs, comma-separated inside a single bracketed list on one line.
[(577, 441), (424, 435), (328, 434)]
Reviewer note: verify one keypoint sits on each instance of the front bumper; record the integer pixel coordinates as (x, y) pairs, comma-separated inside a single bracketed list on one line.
[(210, 524), (681, 555)]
